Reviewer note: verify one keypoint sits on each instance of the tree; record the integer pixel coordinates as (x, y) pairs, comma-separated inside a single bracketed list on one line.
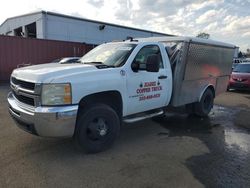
[(248, 53), (203, 35), (240, 55)]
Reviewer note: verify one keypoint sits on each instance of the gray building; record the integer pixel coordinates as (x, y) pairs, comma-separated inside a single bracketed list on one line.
[(54, 26)]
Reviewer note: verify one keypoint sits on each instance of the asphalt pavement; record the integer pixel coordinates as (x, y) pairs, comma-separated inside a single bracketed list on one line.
[(177, 151)]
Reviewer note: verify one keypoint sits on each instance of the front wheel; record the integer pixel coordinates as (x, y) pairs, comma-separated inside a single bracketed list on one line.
[(205, 105), (96, 128)]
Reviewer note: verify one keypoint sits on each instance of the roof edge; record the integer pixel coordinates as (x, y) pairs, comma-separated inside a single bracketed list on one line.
[(28, 14), (84, 19), (101, 22)]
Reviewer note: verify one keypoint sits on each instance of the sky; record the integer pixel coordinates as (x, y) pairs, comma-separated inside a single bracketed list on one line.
[(224, 20)]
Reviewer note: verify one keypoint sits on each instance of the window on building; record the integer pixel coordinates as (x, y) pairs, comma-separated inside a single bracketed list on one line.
[(18, 32), (31, 30)]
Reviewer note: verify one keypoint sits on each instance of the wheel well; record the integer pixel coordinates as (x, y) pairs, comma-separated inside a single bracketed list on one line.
[(212, 89), (111, 98)]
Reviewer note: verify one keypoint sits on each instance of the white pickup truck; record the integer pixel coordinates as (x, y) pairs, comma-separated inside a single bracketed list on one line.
[(119, 82)]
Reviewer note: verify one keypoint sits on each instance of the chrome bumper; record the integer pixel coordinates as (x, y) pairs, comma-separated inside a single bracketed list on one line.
[(44, 121)]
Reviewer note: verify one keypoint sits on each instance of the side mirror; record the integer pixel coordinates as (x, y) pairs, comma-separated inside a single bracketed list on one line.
[(153, 63), (135, 66)]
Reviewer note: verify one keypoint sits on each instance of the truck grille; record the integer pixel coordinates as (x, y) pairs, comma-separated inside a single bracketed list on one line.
[(24, 92), (24, 99), (23, 84)]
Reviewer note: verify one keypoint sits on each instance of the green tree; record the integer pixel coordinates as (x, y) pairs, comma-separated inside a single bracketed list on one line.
[(203, 35), (240, 55)]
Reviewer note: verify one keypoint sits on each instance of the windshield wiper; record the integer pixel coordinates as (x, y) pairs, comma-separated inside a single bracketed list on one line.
[(93, 62), (102, 66), (99, 64)]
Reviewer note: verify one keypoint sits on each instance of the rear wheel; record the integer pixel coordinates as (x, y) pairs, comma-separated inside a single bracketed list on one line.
[(205, 105), (96, 128)]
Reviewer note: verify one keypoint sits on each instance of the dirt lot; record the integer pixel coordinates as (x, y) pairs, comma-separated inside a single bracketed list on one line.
[(179, 151)]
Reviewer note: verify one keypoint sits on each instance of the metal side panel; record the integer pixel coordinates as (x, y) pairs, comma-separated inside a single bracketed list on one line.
[(222, 83), (191, 91), (205, 61), (177, 52), (197, 67)]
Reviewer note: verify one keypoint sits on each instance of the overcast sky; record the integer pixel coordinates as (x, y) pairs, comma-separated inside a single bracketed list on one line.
[(224, 20)]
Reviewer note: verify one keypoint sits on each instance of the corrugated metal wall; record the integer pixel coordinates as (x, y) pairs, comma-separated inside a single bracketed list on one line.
[(17, 50)]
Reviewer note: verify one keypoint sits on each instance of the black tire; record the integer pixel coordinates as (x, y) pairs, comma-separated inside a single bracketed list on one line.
[(205, 105), (96, 129)]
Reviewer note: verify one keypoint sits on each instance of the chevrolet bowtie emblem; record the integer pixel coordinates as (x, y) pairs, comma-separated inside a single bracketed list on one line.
[(16, 88)]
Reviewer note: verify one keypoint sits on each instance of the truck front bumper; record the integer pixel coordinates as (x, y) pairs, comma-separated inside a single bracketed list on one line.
[(44, 121)]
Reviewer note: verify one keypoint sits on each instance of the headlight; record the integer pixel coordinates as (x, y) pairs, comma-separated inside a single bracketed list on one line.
[(56, 94)]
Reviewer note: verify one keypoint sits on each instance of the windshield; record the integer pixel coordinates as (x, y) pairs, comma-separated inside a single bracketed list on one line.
[(244, 68), (111, 54)]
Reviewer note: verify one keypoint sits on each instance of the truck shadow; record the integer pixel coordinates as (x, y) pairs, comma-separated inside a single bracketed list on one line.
[(227, 163), (181, 124)]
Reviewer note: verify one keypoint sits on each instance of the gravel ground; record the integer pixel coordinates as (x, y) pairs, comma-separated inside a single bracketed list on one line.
[(177, 151)]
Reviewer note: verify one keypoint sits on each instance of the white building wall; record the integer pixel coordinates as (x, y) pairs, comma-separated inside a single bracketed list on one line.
[(60, 27), (69, 29), (14, 23)]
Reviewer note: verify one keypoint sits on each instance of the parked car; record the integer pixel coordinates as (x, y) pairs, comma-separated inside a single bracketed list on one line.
[(236, 61), (66, 60), (246, 60), (234, 65), (240, 77)]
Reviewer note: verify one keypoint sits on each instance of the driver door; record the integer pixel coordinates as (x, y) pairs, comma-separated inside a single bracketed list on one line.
[(146, 90)]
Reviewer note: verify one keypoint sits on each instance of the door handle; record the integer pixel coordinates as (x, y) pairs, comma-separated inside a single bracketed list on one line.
[(162, 77)]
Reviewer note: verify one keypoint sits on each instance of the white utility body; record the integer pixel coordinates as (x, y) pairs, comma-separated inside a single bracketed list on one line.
[(119, 81)]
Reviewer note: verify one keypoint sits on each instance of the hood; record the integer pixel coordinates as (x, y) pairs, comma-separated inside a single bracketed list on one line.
[(49, 72)]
